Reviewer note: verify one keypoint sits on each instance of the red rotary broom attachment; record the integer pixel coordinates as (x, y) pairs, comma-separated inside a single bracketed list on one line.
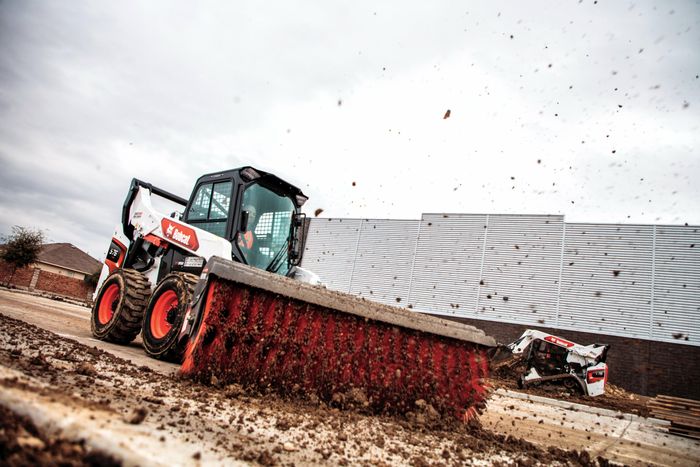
[(269, 339)]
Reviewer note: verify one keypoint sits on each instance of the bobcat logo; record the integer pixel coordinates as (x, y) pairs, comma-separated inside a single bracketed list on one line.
[(181, 234)]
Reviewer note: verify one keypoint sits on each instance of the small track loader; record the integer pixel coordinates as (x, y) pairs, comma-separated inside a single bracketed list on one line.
[(218, 287), (553, 359)]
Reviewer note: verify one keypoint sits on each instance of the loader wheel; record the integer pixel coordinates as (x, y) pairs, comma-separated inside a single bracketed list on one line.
[(118, 310), (164, 314)]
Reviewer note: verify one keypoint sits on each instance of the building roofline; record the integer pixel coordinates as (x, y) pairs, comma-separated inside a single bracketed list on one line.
[(63, 267)]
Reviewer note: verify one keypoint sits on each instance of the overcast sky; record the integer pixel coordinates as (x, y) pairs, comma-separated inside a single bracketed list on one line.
[(587, 109)]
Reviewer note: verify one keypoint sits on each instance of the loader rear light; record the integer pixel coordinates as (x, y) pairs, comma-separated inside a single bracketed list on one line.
[(593, 376), (157, 241), (115, 255)]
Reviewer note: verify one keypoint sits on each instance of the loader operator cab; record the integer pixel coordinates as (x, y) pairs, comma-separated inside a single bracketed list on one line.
[(257, 212)]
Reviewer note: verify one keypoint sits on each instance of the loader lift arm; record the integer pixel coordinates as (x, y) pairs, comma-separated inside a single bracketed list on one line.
[(131, 195)]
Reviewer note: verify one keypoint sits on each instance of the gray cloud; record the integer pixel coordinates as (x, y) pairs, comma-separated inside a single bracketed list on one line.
[(94, 94)]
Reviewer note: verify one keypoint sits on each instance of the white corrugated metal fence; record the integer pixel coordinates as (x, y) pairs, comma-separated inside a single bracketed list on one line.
[(636, 281)]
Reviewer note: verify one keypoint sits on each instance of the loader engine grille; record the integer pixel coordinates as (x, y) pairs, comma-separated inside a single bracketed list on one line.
[(257, 338)]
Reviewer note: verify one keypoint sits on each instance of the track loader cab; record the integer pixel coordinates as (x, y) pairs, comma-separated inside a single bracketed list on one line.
[(257, 212)]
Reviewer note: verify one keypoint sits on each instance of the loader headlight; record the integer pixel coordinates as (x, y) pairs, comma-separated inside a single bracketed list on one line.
[(249, 173)]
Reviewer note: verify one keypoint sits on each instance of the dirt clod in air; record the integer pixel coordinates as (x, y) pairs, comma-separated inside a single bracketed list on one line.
[(136, 416)]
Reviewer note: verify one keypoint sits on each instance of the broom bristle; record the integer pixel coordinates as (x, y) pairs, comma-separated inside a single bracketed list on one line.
[(257, 338)]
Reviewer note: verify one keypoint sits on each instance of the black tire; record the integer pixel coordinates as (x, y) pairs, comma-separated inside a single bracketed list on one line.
[(164, 315), (118, 311)]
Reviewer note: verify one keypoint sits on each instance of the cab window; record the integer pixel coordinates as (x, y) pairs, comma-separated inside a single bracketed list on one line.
[(264, 244), (210, 207)]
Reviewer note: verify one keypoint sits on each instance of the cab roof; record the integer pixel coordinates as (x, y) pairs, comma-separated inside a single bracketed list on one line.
[(247, 174)]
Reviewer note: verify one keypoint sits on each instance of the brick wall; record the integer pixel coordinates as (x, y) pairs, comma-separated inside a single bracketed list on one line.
[(21, 278), (643, 366), (47, 282), (62, 285)]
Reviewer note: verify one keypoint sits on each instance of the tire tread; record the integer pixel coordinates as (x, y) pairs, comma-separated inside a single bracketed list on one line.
[(174, 353), (137, 289)]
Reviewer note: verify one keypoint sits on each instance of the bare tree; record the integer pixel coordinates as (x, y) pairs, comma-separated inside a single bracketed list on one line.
[(21, 248)]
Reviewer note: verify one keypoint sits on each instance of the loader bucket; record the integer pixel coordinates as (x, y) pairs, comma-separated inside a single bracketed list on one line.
[(260, 329)]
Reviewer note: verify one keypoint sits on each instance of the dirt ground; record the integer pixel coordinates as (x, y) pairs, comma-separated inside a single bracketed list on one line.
[(22, 443), (111, 402), (72, 321), (232, 423)]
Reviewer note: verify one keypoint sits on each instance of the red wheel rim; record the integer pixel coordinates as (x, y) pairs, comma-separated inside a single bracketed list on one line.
[(108, 303), (159, 316)]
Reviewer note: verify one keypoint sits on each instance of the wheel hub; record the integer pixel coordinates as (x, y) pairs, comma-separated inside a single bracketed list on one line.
[(164, 314), (171, 315)]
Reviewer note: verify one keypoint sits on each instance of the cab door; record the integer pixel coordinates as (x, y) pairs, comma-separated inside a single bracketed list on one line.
[(210, 207)]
